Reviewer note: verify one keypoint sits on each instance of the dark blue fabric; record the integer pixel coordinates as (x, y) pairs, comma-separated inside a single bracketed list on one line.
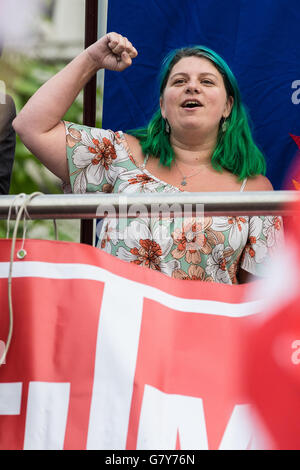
[(259, 39)]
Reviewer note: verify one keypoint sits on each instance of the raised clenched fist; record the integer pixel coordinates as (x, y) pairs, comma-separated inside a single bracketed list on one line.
[(112, 52)]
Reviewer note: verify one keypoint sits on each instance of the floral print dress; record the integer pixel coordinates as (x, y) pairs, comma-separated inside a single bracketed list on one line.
[(208, 248)]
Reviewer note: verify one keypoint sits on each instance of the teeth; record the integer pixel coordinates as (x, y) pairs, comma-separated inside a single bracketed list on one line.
[(191, 103)]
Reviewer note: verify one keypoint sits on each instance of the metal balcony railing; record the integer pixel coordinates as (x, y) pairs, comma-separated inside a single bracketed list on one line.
[(92, 206)]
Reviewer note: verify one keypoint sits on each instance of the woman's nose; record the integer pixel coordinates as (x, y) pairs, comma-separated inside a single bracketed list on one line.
[(192, 87)]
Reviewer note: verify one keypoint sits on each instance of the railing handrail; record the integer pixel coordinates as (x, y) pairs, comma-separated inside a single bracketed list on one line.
[(91, 206)]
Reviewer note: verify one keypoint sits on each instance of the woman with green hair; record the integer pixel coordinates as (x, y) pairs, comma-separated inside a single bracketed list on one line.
[(199, 140), (234, 149)]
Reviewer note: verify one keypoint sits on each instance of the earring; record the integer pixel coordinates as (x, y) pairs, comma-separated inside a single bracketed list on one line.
[(167, 126), (224, 125)]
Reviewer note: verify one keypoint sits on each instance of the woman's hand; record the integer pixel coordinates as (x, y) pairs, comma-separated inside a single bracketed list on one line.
[(112, 52)]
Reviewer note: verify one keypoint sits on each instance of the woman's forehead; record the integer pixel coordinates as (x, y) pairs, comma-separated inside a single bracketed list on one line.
[(194, 63)]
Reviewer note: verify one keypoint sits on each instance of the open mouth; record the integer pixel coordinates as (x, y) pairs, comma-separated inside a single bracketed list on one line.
[(191, 104)]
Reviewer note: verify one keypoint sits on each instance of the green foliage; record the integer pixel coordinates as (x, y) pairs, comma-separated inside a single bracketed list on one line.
[(28, 76), (23, 77)]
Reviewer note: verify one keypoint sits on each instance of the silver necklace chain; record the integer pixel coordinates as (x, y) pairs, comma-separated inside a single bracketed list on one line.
[(184, 182)]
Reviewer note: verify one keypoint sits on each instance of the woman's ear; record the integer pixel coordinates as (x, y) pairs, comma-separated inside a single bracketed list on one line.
[(228, 107), (161, 104)]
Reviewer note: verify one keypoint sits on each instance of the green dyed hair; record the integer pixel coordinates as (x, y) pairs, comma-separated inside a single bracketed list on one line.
[(235, 149)]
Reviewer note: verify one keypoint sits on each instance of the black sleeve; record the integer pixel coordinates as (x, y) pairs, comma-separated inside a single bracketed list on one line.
[(7, 143)]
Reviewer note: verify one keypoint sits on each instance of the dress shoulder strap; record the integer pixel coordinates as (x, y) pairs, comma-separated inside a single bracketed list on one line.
[(243, 185), (145, 162)]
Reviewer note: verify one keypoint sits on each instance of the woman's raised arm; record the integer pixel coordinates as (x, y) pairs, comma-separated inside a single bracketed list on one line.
[(39, 122)]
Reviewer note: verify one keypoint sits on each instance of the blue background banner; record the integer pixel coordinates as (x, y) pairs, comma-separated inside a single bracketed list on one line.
[(259, 39)]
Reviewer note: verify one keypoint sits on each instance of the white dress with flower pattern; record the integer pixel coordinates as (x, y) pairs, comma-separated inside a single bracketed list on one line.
[(208, 249)]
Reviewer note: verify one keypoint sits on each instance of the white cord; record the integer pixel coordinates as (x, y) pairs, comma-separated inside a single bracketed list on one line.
[(9, 212), (13, 244)]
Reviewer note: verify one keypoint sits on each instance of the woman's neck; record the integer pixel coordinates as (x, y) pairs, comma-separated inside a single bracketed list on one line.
[(196, 154)]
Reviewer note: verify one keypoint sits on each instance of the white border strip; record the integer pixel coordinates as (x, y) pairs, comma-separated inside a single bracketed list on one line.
[(94, 273)]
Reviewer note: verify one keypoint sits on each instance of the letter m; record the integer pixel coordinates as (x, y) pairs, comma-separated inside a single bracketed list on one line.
[(164, 415)]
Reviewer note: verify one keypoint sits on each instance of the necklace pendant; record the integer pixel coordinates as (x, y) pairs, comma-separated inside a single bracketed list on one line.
[(183, 182)]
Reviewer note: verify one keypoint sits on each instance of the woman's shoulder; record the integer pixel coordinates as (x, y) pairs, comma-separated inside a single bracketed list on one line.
[(135, 148), (258, 183)]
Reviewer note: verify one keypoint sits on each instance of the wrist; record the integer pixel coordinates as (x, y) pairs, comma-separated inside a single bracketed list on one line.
[(92, 58)]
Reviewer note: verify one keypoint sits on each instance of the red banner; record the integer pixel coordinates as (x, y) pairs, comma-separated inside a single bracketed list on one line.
[(109, 355), (274, 365)]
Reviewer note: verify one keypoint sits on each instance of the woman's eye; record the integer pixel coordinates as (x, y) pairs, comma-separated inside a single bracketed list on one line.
[(179, 81), (207, 82)]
